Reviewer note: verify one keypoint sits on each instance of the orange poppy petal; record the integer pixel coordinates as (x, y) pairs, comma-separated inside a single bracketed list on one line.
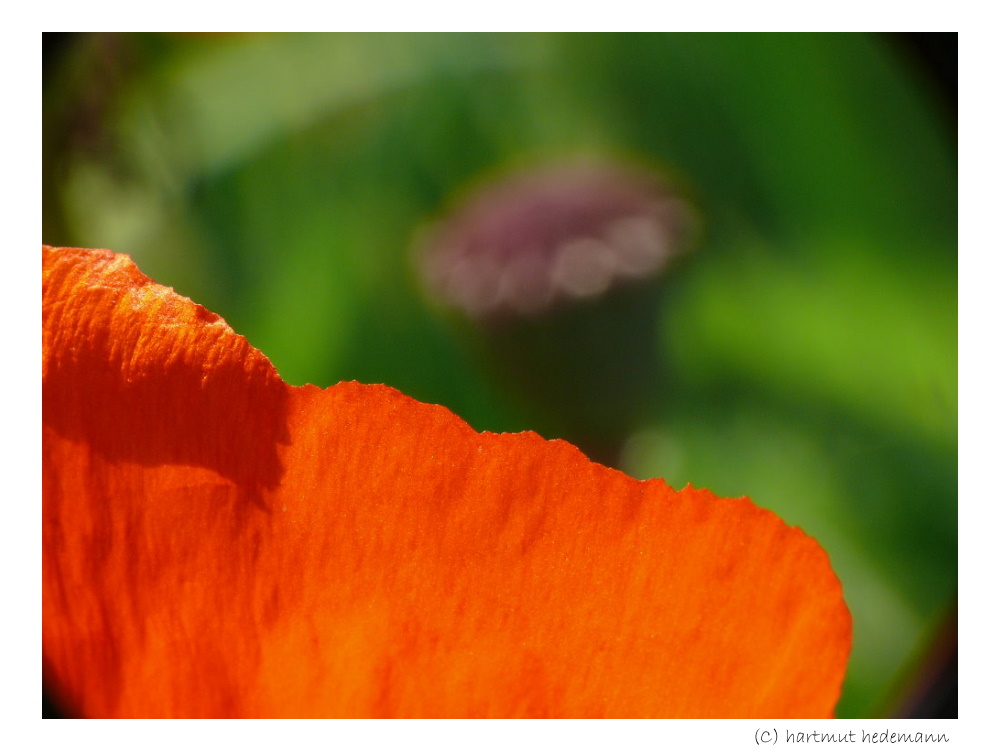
[(218, 543)]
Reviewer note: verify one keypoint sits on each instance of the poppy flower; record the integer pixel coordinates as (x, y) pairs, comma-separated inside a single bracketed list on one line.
[(218, 543)]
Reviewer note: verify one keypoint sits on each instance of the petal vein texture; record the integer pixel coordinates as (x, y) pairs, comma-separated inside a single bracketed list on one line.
[(217, 543)]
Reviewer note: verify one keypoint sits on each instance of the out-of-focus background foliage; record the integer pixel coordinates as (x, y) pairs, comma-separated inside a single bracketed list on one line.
[(807, 344)]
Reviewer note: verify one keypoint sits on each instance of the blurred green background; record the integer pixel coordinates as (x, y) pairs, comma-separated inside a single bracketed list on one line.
[(807, 346)]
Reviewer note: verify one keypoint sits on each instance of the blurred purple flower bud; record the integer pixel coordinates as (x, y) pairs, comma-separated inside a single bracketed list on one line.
[(550, 236)]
